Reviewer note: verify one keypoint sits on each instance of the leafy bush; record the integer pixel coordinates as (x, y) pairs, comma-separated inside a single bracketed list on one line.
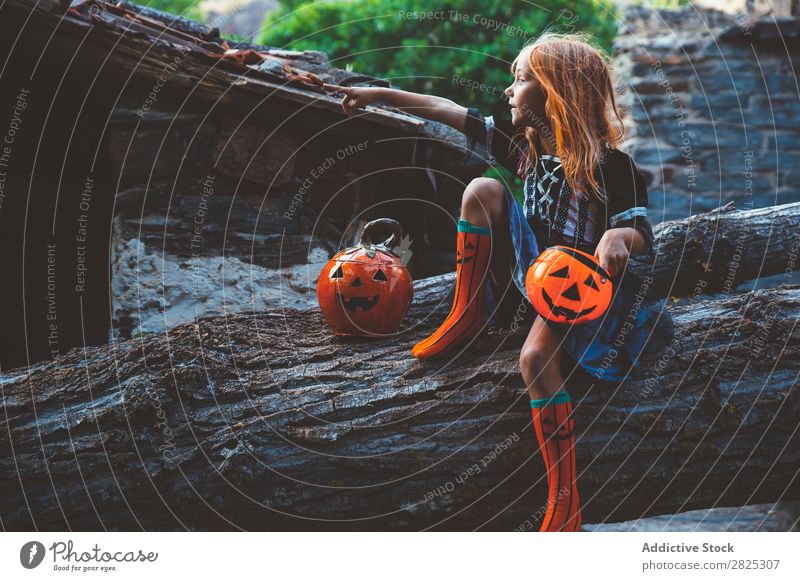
[(185, 8), (461, 50)]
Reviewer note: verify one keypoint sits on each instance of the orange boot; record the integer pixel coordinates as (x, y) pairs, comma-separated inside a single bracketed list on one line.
[(466, 317), (555, 431)]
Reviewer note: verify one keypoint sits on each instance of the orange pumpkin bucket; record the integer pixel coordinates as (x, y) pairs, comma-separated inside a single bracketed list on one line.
[(366, 290), (566, 285)]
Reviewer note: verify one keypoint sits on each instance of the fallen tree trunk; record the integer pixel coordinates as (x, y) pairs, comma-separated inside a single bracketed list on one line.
[(718, 250), (265, 421)]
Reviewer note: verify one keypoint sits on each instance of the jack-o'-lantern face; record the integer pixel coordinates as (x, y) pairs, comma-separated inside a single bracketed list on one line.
[(559, 433), (566, 285), (364, 292), (465, 255)]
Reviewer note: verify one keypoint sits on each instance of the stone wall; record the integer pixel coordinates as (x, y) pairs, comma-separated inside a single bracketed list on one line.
[(712, 107)]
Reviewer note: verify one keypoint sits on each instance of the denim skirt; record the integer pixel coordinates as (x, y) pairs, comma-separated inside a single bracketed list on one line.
[(610, 347)]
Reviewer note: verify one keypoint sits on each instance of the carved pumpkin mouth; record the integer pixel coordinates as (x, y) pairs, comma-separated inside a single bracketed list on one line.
[(568, 314), (355, 303)]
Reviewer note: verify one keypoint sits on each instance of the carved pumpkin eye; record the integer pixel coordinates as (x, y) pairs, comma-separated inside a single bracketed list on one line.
[(591, 283), (337, 273), (380, 275)]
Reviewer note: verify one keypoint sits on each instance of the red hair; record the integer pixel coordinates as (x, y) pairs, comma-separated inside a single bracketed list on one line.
[(581, 105)]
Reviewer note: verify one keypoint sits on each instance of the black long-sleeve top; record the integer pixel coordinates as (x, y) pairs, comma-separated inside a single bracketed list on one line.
[(556, 214)]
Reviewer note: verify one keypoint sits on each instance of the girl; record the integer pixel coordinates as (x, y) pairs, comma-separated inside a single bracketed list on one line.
[(580, 191)]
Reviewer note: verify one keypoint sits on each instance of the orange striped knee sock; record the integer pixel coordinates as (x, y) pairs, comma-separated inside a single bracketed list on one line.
[(466, 316), (555, 432)]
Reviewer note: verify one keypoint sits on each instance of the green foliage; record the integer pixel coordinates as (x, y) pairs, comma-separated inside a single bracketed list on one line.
[(462, 50), (237, 37), (292, 4), (185, 8)]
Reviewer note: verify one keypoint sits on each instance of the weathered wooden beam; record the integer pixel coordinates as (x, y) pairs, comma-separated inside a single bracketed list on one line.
[(208, 77)]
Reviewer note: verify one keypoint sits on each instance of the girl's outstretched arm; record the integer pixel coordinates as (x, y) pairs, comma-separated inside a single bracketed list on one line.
[(428, 106)]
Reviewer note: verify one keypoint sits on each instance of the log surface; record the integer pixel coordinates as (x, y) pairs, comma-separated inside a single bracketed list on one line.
[(264, 421), (718, 250)]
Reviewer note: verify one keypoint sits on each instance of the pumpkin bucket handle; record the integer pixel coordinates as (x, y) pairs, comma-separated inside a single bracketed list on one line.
[(394, 228)]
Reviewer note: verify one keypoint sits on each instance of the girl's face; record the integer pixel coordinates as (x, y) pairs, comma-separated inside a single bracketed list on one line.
[(526, 97)]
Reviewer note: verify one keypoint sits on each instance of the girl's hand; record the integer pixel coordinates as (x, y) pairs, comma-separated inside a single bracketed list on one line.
[(355, 97), (612, 252)]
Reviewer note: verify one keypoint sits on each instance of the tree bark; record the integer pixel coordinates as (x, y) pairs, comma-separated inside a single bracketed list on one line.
[(147, 50), (718, 250), (265, 421)]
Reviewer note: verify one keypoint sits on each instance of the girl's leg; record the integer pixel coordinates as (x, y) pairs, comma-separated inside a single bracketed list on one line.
[(552, 421), (483, 204), (540, 361), (483, 239)]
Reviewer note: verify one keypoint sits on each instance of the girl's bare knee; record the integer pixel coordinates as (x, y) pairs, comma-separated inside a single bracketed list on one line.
[(484, 195), (484, 189), (533, 359)]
